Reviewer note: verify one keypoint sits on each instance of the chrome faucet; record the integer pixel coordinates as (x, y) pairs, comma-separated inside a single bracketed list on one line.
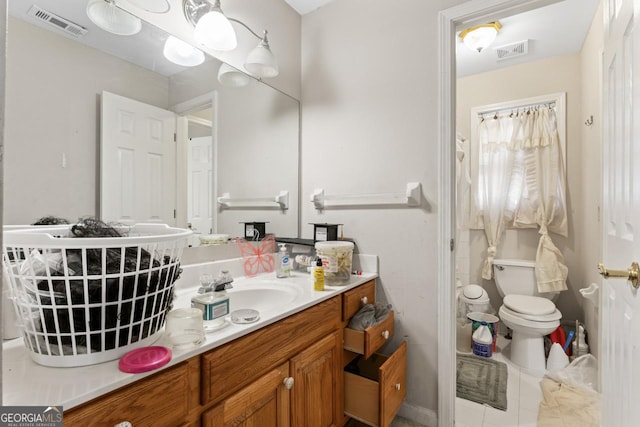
[(221, 283)]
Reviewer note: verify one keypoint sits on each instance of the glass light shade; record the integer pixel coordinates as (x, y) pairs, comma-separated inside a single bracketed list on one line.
[(480, 38), (261, 62), (231, 77), (181, 53), (214, 30), (106, 15)]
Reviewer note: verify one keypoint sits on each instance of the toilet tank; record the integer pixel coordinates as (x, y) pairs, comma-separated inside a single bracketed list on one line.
[(517, 276)]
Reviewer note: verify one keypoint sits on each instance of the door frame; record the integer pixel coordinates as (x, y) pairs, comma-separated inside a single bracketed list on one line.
[(470, 13), (183, 110)]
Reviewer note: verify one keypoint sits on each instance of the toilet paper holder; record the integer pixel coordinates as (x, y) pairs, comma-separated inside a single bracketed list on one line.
[(591, 293)]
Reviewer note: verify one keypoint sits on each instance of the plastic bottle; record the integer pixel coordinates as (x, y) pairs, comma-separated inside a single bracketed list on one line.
[(579, 345), (283, 266), (318, 276), (482, 340)]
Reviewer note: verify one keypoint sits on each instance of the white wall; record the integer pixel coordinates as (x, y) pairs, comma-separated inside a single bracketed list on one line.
[(369, 125), (52, 107), (557, 74), (587, 222)]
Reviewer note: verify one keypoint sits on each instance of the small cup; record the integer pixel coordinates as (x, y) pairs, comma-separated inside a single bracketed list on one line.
[(184, 328)]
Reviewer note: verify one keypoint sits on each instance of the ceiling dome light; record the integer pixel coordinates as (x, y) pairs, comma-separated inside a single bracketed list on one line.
[(232, 77), (181, 53), (260, 61), (106, 15), (480, 37)]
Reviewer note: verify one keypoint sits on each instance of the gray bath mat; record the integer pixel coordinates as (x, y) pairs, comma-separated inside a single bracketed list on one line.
[(482, 380)]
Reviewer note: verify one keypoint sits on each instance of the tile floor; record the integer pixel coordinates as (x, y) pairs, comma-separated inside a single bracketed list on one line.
[(523, 398), (397, 422)]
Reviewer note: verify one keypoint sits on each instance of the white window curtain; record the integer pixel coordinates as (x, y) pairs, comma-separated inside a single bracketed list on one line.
[(521, 184), (543, 200), (492, 195)]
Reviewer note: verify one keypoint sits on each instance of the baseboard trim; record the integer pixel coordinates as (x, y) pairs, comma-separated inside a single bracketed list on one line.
[(418, 414)]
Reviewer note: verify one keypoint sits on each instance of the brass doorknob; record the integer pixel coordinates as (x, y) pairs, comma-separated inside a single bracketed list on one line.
[(631, 274)]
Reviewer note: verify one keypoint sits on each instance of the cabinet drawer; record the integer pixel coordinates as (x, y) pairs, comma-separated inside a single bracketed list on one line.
[(355, 298), (374, 394), (160, 400), (367, 342)]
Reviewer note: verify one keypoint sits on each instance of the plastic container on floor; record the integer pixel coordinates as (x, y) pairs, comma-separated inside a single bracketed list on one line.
[(482, 341)]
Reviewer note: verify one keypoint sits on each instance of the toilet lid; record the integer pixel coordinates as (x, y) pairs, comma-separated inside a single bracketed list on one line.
[(531, 305), (474, 294)]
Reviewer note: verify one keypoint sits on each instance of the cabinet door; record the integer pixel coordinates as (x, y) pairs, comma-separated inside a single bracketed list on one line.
[(263, 403), (317, 393)]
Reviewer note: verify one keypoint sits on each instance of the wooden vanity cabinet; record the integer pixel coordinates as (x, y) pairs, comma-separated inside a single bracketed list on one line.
[(375, 390), (289, 373)]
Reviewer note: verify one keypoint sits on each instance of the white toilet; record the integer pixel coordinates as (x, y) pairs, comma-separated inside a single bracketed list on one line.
[(528, 313)]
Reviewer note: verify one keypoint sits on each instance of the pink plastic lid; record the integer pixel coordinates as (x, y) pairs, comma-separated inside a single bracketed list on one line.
[(144, 359)]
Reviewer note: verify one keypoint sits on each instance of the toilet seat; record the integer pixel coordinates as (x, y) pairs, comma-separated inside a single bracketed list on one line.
[(509, 316), (530, 308)]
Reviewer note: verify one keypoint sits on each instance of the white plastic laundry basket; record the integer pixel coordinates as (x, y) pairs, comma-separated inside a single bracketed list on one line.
[(83, 301)]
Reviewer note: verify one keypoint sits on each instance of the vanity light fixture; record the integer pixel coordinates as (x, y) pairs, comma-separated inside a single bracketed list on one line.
[(232, 77), (260, 61), (181, 53), (106, 15), (481, 36), (214, 30)]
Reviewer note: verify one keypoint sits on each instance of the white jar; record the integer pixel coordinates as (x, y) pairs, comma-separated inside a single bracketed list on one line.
[(336, 258)]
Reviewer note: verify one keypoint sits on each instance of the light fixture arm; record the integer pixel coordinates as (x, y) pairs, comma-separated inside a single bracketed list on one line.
[(247, 27)]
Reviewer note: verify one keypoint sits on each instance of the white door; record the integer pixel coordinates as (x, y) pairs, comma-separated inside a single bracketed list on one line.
[(137, 162), (200, 197), (620, 325)]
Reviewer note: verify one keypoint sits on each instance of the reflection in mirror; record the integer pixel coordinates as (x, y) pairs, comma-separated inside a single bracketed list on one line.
[(242, 140)]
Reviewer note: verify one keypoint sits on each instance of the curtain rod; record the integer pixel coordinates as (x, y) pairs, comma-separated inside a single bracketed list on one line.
[(516, 109)]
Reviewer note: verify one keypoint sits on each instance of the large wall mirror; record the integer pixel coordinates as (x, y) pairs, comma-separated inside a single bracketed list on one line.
[(236, 150)]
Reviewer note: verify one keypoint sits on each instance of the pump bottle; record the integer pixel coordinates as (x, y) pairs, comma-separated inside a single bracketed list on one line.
[(283, 262)]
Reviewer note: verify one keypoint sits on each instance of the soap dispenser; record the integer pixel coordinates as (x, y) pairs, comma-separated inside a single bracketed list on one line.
[(283, 262)]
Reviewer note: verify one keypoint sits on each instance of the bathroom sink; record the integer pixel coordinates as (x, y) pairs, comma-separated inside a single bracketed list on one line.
[(262, 296)]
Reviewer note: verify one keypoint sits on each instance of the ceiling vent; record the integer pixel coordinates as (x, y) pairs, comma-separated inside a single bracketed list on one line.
[(56, 21), (512, 50)]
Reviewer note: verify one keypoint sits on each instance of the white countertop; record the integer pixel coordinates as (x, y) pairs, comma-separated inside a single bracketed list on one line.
[(27, 383)]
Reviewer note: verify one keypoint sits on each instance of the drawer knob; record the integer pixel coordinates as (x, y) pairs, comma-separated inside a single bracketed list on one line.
[(364, 300), (398, 386), (385, 335), (288, 383), (124, 424)]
